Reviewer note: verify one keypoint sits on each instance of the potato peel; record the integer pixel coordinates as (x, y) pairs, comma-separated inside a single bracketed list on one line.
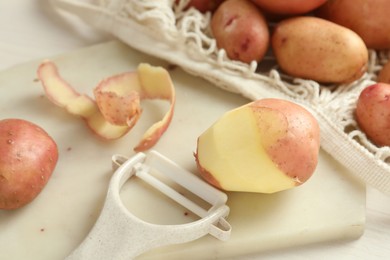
[(118, 99), (156, 83), (117, 106)]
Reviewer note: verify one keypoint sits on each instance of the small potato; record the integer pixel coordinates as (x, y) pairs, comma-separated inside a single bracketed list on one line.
[(28, 156), (291, 7), (373, 113), (314, 48), (384, 74), (204, 6), (368, 18), (241, 29), (265, 146)]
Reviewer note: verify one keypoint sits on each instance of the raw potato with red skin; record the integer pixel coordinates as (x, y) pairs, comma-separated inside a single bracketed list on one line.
[(373, 113), (240, 28), (266, 146), (204, 5), (384, 73), (28, 156), (314, 48), (368, 18)]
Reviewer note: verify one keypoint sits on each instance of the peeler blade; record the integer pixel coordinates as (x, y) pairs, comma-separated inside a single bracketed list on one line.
[(118, 234)]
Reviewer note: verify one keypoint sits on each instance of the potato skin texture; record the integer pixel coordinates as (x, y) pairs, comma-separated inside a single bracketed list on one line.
[(291, 7), (316, 49), (373, 113), (240, 28), (368, 18), (28, 156), (296, 154)]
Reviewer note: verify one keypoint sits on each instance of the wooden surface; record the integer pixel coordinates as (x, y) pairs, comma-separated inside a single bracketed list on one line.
[(28, 30)]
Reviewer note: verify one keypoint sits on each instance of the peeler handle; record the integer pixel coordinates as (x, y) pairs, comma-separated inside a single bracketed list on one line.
[(118, 234)]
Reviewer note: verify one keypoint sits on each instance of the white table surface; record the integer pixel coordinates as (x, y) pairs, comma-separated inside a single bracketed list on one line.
[(29, 30)]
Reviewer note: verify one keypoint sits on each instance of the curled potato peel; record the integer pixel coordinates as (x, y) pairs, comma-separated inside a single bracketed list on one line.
[(119, 103), (116, 108)]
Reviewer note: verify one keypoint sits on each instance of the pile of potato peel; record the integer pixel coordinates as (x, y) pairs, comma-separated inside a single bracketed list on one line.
[(116, 107)]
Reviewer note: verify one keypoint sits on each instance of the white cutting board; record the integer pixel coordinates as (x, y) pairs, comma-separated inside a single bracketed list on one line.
[(330, 206)]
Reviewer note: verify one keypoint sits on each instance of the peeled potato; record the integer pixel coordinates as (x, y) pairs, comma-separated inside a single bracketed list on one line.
[(316, 49), (28, 156), (265, 146), (240, 28)]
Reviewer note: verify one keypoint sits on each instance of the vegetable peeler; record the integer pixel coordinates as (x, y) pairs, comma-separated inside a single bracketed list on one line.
[(118, 234)]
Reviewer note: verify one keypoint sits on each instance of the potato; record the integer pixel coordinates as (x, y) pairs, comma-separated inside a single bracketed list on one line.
[(373, 113), (291, 7), (384, 73), (368, 18), (204, 5), (28, 156), (241, 29), (314, 48), (266, 146)]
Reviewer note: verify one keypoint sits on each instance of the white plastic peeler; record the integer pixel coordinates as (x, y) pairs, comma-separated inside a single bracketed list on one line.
[(118, 234)]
